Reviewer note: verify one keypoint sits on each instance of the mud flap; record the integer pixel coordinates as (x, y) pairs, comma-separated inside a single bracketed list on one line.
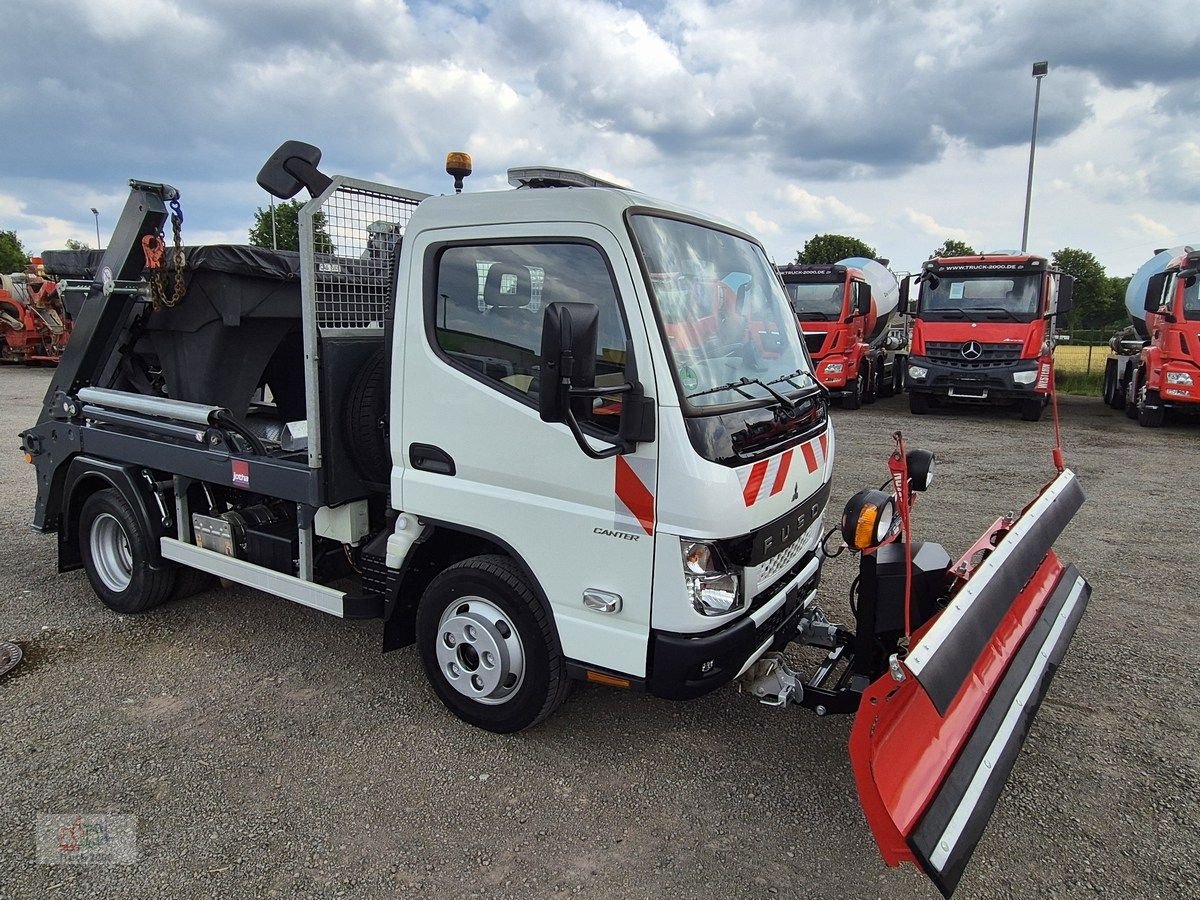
[(935, 739)]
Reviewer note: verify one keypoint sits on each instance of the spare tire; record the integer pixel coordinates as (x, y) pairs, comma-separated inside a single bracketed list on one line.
[(366, 420)]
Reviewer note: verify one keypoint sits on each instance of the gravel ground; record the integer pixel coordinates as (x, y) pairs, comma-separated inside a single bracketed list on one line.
[(268, 750)]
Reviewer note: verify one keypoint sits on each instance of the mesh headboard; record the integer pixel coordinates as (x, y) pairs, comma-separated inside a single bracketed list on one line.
[(353, 235)]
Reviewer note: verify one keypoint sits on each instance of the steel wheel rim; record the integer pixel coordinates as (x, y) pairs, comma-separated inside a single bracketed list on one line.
[(479, 652), (111, 552)]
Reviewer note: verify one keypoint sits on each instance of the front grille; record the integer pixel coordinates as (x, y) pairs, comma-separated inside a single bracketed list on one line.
[(950, 353)]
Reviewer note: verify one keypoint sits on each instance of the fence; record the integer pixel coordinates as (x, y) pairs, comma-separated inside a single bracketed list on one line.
[(1082, 352)]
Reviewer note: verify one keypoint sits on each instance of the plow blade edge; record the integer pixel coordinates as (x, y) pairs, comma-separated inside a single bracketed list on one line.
[(931, 752)]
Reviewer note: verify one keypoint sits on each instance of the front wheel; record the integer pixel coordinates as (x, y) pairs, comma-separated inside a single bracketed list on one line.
[(1031, 409), (1150, 412), (488, 646), (874, 375), (853, 399), (117, 550)]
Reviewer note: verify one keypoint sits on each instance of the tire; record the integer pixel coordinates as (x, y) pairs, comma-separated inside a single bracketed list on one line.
[(871, 390), (116, 546), (1031, 409), (918, 403), (854, 399), (367, 407), (483, 608), (1150, 412), (1131, 395), (1109, 392)]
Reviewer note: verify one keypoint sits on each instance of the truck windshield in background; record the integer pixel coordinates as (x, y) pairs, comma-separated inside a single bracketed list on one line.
[(816, 301), (982, 297), (730, 329)]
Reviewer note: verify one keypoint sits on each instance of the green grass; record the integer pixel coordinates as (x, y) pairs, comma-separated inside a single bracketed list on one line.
[(1085, 384)]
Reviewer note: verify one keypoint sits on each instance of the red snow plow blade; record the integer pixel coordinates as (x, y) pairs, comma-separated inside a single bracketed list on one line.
[(935, 739)]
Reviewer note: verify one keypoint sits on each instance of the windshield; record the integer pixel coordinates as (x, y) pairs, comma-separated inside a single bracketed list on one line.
[(816, 300), (731, 332), (1191, 299), (976, 297)]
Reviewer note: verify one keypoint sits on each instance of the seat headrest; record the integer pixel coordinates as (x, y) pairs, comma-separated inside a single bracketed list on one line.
[(507, 286)]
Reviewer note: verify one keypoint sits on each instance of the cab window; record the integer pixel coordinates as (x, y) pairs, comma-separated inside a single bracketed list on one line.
[(488, 308)]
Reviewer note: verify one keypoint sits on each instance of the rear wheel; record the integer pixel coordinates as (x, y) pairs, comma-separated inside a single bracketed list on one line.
[(918, 403), (117, 550), (488, 646), (1131, 394), (1109, 392)]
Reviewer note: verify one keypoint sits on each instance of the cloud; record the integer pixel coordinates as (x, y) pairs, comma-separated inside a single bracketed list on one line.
[(930, 226), (811, 209)]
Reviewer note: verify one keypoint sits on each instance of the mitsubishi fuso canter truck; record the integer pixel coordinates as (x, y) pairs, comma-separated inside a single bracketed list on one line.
[(565, 431)]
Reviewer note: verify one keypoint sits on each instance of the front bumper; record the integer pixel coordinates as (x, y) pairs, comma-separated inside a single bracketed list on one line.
[(685, 666), (983, 384)]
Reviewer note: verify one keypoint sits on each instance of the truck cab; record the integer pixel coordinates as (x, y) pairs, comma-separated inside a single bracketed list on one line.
[(984, 332), (837, 312), (1166, 372)]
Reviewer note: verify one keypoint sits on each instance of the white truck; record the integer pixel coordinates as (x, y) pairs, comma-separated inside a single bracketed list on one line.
[(560, 432)]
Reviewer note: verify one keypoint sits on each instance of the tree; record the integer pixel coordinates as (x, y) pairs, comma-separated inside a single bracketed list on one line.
[(287, 228), (829, 248), (13, 257), (1092, 289), (73, 244), (1112, 312), (952, 247)]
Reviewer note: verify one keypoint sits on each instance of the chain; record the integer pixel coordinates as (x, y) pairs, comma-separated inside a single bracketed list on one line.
[(178, 258)]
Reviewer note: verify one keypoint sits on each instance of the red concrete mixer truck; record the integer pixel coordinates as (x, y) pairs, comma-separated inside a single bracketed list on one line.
[(1154, 366), (846, 311)]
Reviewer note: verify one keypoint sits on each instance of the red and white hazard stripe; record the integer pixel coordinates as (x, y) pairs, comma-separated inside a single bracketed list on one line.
[(767, 477)]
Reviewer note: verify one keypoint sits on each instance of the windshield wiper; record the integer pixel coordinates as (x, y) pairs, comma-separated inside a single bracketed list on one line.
[(821, 389), (740, 384), (1000, 309)]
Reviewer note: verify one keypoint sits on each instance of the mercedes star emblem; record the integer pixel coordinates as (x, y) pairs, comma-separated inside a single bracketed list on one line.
[(972, 350)]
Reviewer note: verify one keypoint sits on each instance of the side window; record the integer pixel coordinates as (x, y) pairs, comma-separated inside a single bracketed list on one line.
[(490, 299)]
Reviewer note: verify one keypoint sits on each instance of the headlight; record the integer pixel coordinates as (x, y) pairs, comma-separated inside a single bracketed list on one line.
[(917, 372), (713, 589), (1179, 378), (832, 368), (868, 518), (1025, 377), (920, 469)]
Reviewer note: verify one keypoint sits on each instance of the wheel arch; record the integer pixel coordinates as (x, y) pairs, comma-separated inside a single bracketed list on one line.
[(87, 475), (441, 545)]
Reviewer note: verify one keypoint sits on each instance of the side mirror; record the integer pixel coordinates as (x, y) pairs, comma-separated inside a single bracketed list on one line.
[(902, 302), (569, 337), (862, 300), (1066, 294), (1154, 291), (292, 167)]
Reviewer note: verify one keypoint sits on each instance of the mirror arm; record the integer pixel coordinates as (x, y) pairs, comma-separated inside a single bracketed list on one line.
[(621, 445), (581, 439)]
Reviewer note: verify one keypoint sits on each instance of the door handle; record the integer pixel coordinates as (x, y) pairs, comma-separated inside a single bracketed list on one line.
[(429, 458)]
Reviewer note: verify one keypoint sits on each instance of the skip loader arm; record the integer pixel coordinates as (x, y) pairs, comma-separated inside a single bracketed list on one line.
[(936, 737)]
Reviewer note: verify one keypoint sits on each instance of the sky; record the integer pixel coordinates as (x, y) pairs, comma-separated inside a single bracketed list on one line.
[(901, 123)]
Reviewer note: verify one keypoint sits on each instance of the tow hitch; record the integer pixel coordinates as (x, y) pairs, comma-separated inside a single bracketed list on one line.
[(945, 670)]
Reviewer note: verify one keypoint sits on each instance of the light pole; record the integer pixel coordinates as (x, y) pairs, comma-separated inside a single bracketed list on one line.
[(1039, 72), (96, 213)]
